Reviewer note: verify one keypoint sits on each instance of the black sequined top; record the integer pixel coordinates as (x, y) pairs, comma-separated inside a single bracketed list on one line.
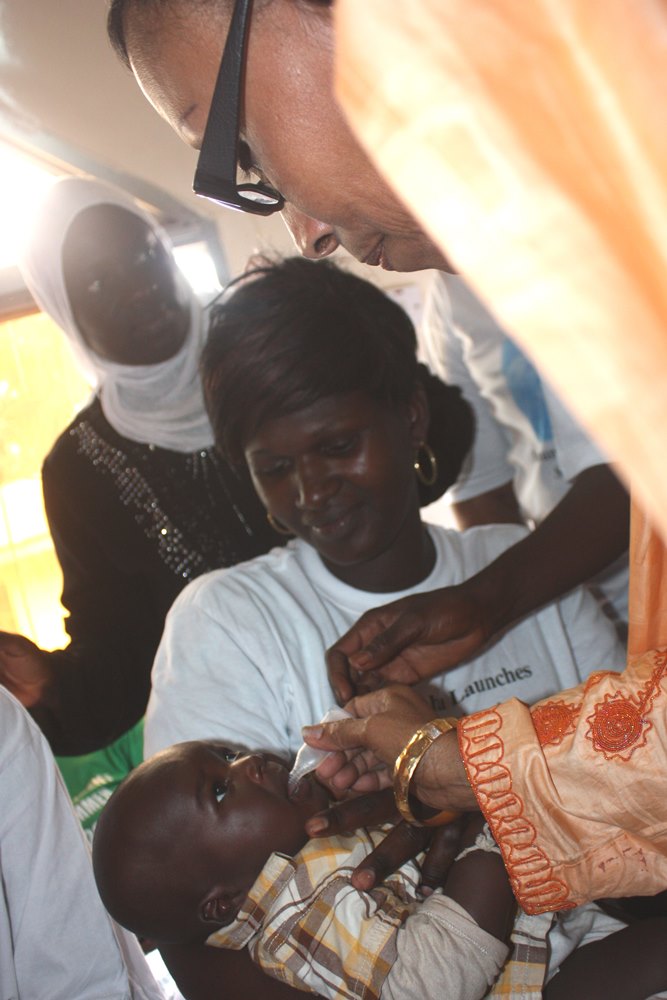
[(132, 524)]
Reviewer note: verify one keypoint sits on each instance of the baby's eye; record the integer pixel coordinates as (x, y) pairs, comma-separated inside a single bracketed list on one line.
[(220, 790)]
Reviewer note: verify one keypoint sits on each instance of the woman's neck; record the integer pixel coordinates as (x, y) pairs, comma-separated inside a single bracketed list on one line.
[(400, 567)]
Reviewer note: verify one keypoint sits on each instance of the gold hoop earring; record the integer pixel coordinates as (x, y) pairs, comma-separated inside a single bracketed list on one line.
[(426, 457), (277, 526)]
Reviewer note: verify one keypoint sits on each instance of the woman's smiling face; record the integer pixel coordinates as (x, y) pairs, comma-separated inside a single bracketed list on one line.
[(340, 475)]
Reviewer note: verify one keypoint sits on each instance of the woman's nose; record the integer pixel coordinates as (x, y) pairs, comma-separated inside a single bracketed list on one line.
[(313, 238), (315, 486)]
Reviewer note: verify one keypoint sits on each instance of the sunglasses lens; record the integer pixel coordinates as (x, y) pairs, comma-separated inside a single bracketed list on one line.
[(264, 197)]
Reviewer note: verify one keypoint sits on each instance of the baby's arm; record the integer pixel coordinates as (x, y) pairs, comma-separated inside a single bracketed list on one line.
[(323, 934), (456, 944), (628, 965)]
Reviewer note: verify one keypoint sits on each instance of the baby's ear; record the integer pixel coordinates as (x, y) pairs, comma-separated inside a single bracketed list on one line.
[(219, 908)]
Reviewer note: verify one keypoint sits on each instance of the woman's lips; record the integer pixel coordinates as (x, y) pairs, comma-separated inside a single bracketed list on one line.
[(378, 258), (332, 526), (374, 258)]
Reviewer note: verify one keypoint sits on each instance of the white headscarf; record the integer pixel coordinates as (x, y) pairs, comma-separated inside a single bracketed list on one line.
[(158, 404)]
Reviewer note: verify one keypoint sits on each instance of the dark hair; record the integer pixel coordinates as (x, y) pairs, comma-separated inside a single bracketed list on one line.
[(116, 28), (291, 332), (118, 9)]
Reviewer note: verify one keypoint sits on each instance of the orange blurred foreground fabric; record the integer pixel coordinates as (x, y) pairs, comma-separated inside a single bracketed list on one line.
[(530, 140)]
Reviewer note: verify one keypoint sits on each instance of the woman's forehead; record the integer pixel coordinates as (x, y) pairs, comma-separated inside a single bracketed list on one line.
[(175, 59), (347, 407)]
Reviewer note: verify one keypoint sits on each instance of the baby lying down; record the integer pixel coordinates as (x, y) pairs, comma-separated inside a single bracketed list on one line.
[(200, 843)]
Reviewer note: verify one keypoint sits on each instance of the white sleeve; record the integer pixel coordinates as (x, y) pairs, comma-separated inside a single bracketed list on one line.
[(441, 345), (575, 450), (443, 952), (592, 636), (56, 939), (216, 677)]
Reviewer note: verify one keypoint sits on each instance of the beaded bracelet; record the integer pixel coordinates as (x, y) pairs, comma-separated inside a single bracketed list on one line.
[(406, 765)]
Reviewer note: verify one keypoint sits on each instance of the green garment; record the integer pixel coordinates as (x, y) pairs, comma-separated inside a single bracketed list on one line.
[(92, 777)]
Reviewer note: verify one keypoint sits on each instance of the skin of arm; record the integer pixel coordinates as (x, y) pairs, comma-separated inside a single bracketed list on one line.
[(86, 695), (204, 973), (630, 964), (424, 634), (479, 883), (24, 669)]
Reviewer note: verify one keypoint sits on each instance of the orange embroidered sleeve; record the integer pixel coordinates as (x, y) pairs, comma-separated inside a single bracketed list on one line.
[(574, 790)]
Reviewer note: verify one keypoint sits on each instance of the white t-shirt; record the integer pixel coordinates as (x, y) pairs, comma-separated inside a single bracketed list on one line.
[(523, 432), (242, 654), (56, 939)]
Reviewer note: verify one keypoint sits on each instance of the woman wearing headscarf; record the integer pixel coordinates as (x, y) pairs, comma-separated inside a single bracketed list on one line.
[(137, 499)]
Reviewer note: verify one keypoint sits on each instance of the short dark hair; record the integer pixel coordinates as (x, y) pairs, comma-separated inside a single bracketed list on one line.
[(294, 331), (116, 28), (119, 8)]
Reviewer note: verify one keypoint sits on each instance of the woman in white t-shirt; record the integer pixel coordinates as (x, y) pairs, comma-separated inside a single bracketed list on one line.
[(311, 378)]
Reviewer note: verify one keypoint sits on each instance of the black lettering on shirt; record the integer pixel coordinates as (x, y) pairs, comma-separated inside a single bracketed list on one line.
[(481, 684)]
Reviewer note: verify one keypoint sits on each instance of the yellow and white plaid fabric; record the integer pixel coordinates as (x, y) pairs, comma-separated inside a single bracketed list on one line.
[(305, 924), (524, 971)]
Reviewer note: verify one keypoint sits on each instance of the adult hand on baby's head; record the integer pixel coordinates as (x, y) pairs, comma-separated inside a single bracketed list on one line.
[(411, 639), (24, 668)]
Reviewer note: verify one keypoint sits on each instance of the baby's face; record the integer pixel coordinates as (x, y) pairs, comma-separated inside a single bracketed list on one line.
[(236, 810)]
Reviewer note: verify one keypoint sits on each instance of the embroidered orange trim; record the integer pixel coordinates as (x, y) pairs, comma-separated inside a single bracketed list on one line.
[(618, 725), (553, 720), (530, 870)]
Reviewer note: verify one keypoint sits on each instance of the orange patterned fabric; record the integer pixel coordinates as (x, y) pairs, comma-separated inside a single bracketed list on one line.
[(574, 789), (551, 199), (532, 875), (553, 720), (582, 816), (530, 142)]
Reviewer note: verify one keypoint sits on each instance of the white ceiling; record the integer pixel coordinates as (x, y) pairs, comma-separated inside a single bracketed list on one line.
[(60, 79)]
